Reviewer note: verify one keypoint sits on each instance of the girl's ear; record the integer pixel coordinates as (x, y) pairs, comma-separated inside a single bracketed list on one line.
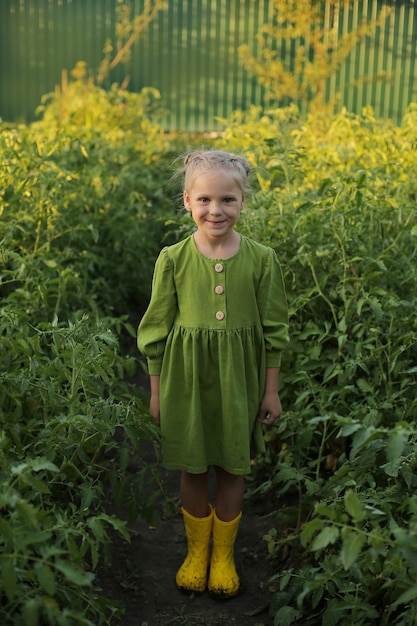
[(187, 201), (243, 201)]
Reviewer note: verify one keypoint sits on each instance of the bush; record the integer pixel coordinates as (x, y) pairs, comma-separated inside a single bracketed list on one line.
[(83, 199), (62, 400), (77, 251), (337, 202)]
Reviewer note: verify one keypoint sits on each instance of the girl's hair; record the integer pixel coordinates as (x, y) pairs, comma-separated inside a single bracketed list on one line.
[(202, 161)]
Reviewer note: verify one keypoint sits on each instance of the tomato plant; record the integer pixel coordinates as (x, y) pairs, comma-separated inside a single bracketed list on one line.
[(84, 209), (77, 251), (337, 202)]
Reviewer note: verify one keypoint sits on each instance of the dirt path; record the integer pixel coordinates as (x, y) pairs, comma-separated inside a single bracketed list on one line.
[(142, 576)]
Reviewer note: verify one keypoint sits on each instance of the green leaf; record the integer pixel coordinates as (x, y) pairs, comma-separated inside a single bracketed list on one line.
[(364, 385), (397, 439), (95, 556), (326, 511), (406, 597), (30, 612), (327, 536), (317, 596), (286, 616), (46, 578), (9, 576), (28, 512), (336, 609), (6, 530), (75, 574), (349, 429), (362, 438), (353, 543), (41, 463), (391, 469), (310, 529), (49, 551), (354, 506), (284, 579), (98, 529), (117, 524), (341, 340), (37, 484)]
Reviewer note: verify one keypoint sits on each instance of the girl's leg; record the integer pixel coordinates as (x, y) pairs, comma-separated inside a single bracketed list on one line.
[(194, 494), (229, 495), (224, 581), (198, 522)]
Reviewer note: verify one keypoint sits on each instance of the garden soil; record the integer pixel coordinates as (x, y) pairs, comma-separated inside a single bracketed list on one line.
[(141, 578)]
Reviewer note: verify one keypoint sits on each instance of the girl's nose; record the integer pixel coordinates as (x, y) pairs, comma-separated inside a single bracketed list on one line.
[(215, 208)]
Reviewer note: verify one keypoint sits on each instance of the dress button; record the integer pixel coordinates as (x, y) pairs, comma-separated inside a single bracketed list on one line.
[(218, 267), (220, 315), (219, 290)]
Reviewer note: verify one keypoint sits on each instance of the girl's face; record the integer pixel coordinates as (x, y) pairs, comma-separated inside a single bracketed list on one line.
[(215, 201)]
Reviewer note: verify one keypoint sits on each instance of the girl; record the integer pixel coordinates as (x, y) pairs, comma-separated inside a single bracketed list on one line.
[(213, 335)]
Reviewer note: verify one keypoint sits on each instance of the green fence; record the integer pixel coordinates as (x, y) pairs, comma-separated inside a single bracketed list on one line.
[(190, 54)]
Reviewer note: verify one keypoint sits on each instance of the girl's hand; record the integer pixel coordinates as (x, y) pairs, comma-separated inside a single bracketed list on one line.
[(154, 409), (270, 410)]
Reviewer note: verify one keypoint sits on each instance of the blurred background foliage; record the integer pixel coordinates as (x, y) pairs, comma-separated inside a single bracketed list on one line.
[(86, 202), (208, 58)]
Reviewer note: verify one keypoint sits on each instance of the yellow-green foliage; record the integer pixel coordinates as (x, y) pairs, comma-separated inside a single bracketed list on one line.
[(302, 47), (85, 207), (76, 256)]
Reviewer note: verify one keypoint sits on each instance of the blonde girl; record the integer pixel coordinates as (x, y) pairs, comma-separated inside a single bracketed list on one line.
[(213, 335)]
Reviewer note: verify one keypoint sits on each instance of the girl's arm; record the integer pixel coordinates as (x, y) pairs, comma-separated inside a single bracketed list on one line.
[(271, 408), (157, 321), (154, 409)]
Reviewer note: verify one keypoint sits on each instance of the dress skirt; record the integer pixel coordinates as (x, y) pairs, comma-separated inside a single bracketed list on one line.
[(211, 387)]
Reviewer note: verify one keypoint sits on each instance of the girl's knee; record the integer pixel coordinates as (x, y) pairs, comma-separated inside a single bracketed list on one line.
[(227, 477)]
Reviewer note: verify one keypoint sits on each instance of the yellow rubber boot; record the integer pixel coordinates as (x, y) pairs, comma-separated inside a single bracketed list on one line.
[(223, 580), (192, 575)]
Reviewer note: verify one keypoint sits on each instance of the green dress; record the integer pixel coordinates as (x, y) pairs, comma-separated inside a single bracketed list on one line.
[(212, 328)]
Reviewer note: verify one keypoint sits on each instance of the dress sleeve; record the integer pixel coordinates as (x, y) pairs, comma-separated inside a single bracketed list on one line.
[(273, 308), (158, 319)]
